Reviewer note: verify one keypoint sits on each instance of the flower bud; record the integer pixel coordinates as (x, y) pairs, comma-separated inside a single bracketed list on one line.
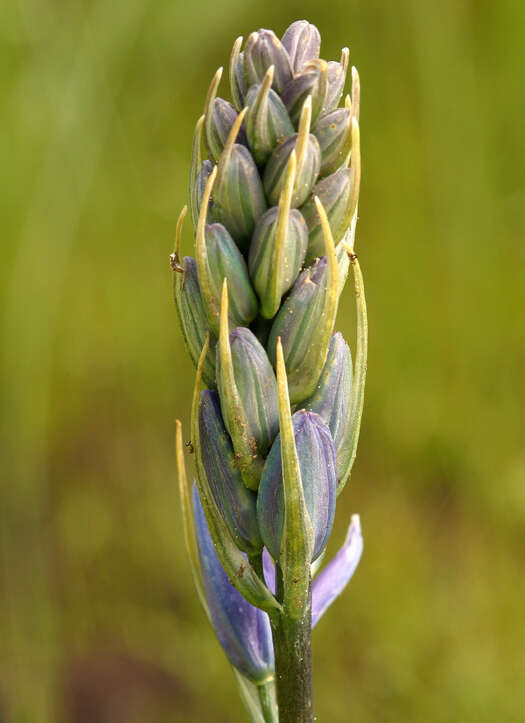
[(336, 575), (335, 193), (317, 462), (192, 317), (237, 80), (267, 120), (261, 260), (263, 49), (218, 258), (336, 81), (275, 171), (197, 189), (303, 42), (334, 133), (238, 196), (312, 80), (243, 630), (219, 117), (331, 399), (234, 500), (248, 395), (222, 118)]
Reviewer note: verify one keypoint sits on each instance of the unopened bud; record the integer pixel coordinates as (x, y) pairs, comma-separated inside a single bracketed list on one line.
[(303, 42)]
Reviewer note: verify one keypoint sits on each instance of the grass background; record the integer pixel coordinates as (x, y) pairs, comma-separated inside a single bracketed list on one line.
[(99, 621)]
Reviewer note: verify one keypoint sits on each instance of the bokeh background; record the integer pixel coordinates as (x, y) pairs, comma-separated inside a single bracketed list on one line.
[(99, 621)]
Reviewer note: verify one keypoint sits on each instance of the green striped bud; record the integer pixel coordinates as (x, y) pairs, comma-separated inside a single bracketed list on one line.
[(237, 80), (331, 399), (219, 117), (218, 258), (305, 320), (312, 80), (192, 316), (303, 42), (198, 187), (308, 162), (263, 49), (334, 133), (335, 192), (278, 248), (235, 501), (267, 120), (248, 394), (238, 195)]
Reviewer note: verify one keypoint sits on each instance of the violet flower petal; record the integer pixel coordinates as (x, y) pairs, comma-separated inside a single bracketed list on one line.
[(333, 578), (243, 630)]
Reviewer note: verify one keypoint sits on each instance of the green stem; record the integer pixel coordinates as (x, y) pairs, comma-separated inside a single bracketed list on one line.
[(292, 642), (268, 701)]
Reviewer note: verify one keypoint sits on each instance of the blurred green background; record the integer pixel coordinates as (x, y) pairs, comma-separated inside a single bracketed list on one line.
[(98, 618)]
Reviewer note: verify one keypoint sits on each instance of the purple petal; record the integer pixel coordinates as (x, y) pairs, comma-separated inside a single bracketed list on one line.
[(269, 570), (333, 578), (243, 630)]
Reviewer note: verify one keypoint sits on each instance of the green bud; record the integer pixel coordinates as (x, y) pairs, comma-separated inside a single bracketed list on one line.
[(308, 162), (219, 117), (335, 192), (278, 248), (248, 393), (190, 308), (238, 196), (303, 42), (306, 319), (334, 133), (218, 257), (312, 80), (197, 190), (236, 503), (267, 120), (192, 317), (263, 49), (237, 81)]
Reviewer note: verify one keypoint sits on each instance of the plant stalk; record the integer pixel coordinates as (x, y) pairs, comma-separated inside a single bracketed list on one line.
[(292, 642)]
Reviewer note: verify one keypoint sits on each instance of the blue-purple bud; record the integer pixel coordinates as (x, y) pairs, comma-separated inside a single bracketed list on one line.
[(317, 462), (235, 501), (263, 49), (311, 81), (334, 133), (223, 260), (334, 192), (336, 82), (243, 630), (192, 317), (331, 399), (267, 120), (303, 42), (307, 170)]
